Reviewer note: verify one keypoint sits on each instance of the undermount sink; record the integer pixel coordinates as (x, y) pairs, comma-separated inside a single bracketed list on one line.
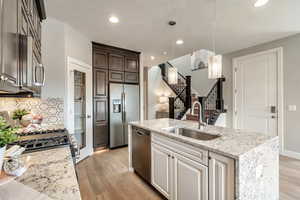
[(190, 133)]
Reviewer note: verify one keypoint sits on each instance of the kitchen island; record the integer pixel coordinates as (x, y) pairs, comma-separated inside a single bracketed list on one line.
[(235, 164), (51, 175)]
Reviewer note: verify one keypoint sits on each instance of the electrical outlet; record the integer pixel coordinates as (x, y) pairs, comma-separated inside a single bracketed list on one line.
[(292, 108), (259, 171)]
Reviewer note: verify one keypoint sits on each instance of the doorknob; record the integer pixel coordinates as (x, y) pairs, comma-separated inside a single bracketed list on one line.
[(88, 116)]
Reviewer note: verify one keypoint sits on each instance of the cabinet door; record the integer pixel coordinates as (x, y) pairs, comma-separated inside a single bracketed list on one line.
[(131, 77), (116, 62), (10, 45), (116, 76), (190, 179), (221, 178), (100, 82), (100, 122), (131, 65), (161, 170), (23, 31), (100, 59)]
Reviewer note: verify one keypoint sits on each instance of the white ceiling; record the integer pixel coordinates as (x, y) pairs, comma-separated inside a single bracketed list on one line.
[(143, 23)]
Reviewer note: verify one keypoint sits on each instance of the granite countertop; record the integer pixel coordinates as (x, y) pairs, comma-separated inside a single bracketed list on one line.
[(51, 175), (232, 143)]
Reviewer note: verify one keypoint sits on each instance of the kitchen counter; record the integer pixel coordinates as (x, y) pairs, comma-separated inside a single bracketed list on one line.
[(51, 175), (255, 155), (232, 143)]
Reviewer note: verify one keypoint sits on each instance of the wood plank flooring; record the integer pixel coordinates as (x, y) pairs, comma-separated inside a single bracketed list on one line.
[(105, 176)]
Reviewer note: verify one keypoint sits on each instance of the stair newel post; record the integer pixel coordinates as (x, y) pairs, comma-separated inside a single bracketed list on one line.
[(220, 101), (202, 101), (188, 92), (171, 107)]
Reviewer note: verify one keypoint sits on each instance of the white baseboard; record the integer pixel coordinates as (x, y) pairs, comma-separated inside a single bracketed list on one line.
[(131, 169), (291, 154)]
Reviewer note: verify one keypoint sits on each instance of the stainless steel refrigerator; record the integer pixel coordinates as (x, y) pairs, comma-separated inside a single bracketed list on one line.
[(123, 108)]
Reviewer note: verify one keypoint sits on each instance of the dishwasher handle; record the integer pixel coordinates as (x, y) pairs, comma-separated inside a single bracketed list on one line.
[(141, 132)]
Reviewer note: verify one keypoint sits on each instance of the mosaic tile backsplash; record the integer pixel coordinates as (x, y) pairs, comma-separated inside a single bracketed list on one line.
[(52, 109)]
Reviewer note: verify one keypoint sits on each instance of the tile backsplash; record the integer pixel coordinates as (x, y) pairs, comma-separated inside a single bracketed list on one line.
[(52, 109)]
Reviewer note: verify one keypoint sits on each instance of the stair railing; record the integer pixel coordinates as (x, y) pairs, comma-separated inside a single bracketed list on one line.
[(182, 90), (214, 100)]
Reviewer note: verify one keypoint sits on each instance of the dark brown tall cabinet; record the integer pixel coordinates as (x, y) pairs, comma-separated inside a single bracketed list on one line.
[(110, 64)]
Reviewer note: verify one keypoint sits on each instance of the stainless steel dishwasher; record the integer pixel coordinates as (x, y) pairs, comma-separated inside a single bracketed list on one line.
[(141, 153)]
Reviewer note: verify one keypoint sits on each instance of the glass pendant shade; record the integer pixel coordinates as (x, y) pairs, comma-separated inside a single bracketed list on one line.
[(215, 67), (172, 75)]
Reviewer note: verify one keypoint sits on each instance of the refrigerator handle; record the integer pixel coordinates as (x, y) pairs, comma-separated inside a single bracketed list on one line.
[(123, 107)]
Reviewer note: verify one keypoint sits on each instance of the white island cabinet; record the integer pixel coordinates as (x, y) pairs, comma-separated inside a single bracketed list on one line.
[(180, 177), (236, 165)]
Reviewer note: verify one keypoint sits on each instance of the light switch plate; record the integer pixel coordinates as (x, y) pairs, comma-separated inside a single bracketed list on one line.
[(292, 108)]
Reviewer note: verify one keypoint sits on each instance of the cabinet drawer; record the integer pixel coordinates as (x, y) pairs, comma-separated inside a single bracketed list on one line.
[(186, 150), (131, 77), (116, 76)]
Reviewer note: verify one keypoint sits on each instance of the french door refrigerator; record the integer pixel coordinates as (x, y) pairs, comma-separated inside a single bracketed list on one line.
[(123, 108)]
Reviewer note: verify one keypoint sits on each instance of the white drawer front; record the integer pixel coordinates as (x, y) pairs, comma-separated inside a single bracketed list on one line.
[(186, 150)]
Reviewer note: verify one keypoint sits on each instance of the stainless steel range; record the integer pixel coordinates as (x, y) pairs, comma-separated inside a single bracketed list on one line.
[(47, 139)]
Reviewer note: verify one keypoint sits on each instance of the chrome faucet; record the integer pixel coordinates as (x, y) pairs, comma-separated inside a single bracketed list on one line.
[(200, 121)]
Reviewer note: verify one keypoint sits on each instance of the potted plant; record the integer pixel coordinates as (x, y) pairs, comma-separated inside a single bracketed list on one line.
[(18, 115), (7, 135)]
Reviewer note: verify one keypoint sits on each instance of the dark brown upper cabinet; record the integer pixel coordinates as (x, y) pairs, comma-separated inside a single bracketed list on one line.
[(9, 43), (100, 59), (116, 62), (116, 76), (131, 65), (100, 82)]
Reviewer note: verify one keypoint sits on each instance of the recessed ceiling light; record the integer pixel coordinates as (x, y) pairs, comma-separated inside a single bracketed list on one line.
[(179, 42), (165, 53), (152, 57), (260, 3), (114, 19)]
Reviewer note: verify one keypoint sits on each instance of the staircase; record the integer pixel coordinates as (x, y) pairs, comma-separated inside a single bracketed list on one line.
[(212, 104), (181, 103)]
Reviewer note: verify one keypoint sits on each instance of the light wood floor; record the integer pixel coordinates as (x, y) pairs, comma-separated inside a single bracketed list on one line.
[(105, 176)]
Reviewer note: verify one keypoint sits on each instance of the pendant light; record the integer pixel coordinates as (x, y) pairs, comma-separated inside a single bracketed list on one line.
[(172, 75), (215, 61)]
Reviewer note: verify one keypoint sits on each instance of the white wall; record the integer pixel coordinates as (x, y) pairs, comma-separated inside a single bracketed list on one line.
[(156, 88), (78, 46), (60, 40), (53, 57), (291, 70)]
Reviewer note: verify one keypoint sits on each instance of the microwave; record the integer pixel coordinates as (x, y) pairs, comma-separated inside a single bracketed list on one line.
[(32, 71)]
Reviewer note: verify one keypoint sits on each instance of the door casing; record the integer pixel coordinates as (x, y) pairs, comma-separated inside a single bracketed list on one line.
[(74, 64)]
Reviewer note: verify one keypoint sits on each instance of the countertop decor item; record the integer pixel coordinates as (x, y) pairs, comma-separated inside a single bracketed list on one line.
[(19, 113), (26, 120), (7, 135)]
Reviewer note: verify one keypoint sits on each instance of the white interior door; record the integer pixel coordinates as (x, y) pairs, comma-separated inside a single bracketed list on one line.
[(255, 92), (79, 118)]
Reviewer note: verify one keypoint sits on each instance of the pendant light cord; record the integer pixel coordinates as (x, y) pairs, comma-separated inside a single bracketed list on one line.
[(215, 26)]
